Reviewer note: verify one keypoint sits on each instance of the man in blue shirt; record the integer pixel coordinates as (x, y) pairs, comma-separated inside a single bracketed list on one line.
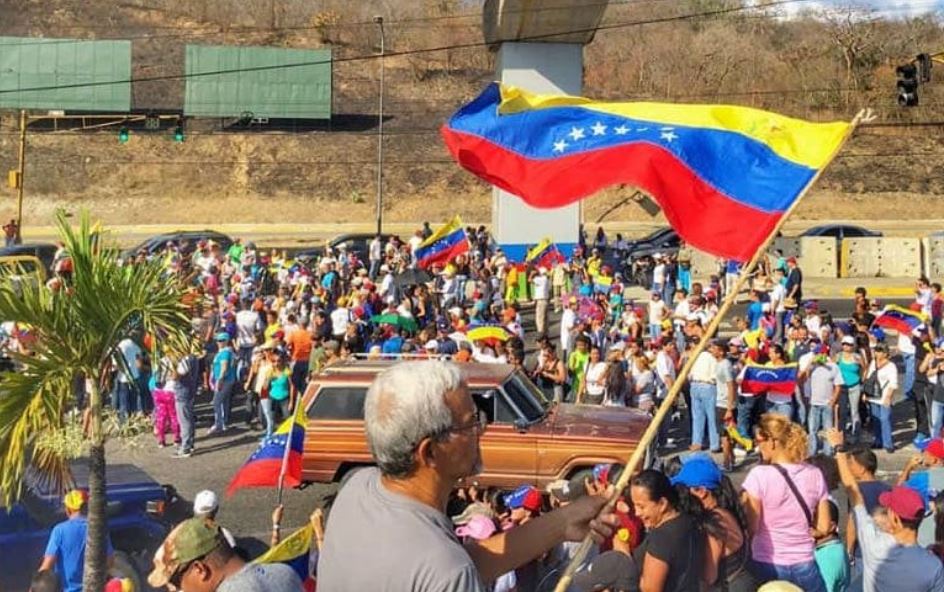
[(65, 550)]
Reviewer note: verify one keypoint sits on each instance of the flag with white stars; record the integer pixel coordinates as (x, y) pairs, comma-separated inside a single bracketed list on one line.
[(723, 175)]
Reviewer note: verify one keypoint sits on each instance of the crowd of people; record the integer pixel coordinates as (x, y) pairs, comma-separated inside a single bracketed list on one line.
[(263, 323)]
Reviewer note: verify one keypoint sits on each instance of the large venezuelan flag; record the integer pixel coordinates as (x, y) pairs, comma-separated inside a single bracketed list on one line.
[(899, 319), (724, 175), (769, 379), (444, 245), (296, 551), (278, 454)]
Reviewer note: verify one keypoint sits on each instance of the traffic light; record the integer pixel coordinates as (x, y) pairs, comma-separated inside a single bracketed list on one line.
[(907, 85), (124, 135)]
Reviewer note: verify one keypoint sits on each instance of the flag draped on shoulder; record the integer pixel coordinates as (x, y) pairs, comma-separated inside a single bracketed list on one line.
[(296, 551), (899, 319), (444, 245), (723, 175), (278, 456), (760, 379)]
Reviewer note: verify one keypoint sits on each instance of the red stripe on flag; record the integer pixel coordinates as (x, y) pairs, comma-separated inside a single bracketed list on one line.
[(447, 255), (265, 473), (702, 215), (757, 387)]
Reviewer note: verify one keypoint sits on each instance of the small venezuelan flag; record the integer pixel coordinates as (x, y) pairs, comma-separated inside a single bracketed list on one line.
[(724, 175), (298, 552), (769, 379), (444, 245), (545, 254), (899, 319), (278, 456)]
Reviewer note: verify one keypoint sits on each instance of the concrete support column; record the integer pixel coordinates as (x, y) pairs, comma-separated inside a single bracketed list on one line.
[(548, 65)]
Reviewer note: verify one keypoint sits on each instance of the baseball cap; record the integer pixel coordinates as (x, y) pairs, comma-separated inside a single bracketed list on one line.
[(190, 540), (75, 500), (933, 446), (479, 527), (921, 482), (568, 491), (698, 471), (611, 570), (525, 497), (473, 509), (205, 502), (848, 340), (904, 501), (222, 336)]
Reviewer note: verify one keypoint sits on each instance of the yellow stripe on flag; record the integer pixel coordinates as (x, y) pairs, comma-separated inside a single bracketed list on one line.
[(802, 142)]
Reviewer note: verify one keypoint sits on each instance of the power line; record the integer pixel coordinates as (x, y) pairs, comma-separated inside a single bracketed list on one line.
[(391, 54)]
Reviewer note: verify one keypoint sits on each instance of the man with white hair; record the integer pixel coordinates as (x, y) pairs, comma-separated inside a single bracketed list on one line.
[(388, 529)]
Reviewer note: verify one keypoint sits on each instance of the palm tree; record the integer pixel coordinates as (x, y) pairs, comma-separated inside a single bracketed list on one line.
[(76, 328)]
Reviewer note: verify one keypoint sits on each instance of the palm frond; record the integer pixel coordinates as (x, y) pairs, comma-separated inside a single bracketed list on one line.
[(77, 330)]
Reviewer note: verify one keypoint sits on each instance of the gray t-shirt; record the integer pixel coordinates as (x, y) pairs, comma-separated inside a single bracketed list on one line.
[(824, 378), (889, 566), (381, 541), (269, 577)]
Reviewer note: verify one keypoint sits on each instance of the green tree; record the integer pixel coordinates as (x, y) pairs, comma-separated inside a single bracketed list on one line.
[(76, 329)]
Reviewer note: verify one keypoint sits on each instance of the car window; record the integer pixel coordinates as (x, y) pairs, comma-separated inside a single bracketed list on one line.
[(525, 396), (493, 404), (852, 232), (338, 403), (18, 267)]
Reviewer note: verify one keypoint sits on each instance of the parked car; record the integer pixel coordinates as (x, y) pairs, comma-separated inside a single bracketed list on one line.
[(45, 252), (840, 231), (638, 262), (135, 506), (357, 243), (22, 268), (528, 438), (192, 237)]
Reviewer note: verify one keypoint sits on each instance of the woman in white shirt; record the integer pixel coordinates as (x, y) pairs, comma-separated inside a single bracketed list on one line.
[(594, 385)]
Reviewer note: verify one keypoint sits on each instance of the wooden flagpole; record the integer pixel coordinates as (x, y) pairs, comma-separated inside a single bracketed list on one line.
[(636, 457)]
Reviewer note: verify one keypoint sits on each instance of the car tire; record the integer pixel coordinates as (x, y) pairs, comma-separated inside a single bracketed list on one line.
[(123, 566)]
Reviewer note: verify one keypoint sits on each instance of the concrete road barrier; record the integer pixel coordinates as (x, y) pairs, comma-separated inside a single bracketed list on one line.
[(880, 257), (816, 256)]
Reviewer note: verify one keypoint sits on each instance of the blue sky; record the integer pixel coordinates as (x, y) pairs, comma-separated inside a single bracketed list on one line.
[(886, 8)]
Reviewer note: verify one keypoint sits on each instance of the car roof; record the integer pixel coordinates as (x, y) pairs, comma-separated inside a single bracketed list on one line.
[(354, 371), (356, 236)]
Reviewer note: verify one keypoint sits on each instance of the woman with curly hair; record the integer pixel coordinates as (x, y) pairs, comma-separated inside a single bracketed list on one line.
[(785, 501)]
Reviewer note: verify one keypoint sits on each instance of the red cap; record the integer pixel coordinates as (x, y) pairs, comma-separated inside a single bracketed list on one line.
[(936, 448), (904, 501), (532, 501)]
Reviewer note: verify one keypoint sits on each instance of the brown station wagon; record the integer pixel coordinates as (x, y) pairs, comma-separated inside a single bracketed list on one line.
[(528, 438)]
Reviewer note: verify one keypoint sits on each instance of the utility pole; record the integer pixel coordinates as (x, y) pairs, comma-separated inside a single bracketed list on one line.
[(21, 168), (380, 127)]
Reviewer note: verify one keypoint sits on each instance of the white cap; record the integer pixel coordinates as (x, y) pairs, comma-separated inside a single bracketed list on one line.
[(432, 344), (205, 502), (848, 339)]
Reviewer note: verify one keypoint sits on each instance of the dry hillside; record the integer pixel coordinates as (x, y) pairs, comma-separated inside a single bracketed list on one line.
[(818, 68)]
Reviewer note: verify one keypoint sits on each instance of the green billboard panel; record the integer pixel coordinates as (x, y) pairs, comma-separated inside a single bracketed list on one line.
[(262, 81), (66, 74)]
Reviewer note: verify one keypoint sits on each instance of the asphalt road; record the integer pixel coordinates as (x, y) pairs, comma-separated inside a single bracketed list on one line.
[(248, 512)]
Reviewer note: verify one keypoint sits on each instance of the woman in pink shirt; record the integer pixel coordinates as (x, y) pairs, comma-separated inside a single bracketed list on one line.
[(785, 501)]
